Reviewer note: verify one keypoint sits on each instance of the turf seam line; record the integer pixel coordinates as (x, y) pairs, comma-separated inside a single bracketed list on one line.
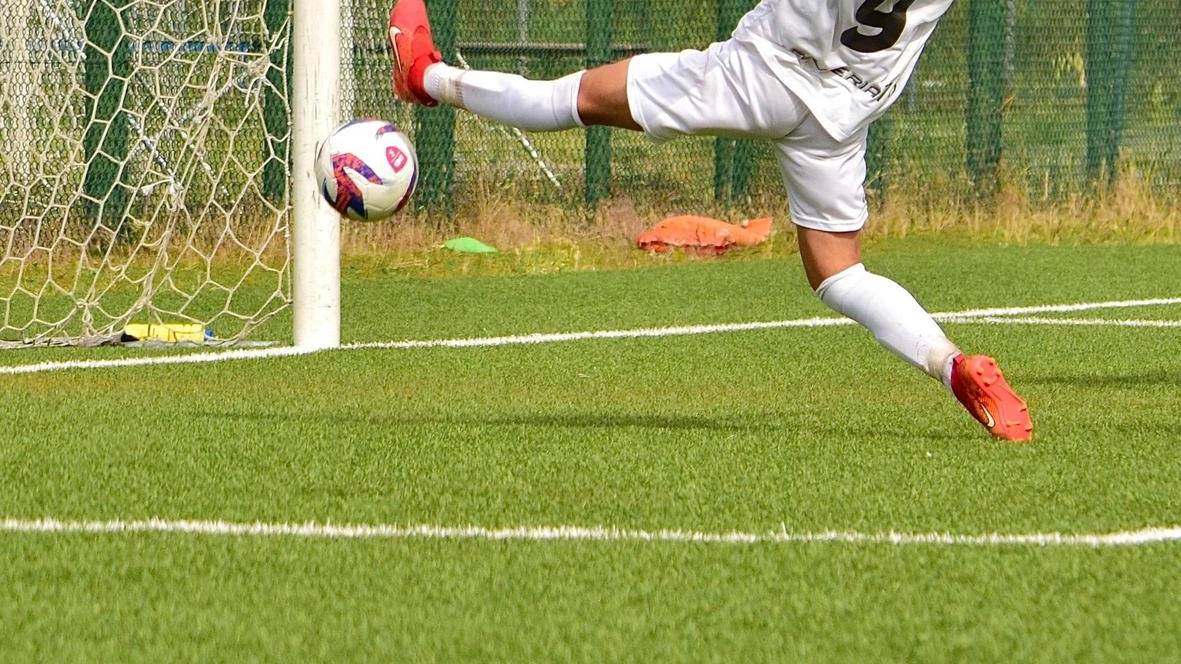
[(314, 530), (992, 316)]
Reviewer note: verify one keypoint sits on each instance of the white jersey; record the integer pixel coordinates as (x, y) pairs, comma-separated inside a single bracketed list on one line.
[(848, 60)]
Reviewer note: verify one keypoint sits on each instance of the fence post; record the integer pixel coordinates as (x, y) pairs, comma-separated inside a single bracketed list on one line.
[(1122, 55), (435, 127), (105, 140), (598, 139), (22, 79), (877, 156), (1099, 86), (986, 92), (276, 91), (733, 158)]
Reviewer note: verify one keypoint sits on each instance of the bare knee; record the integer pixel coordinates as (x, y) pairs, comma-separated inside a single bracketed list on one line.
[(602, 97), (826, 253)]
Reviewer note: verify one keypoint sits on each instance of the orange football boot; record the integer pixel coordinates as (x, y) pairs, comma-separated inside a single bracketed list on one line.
[(978, 384), (413, 50)]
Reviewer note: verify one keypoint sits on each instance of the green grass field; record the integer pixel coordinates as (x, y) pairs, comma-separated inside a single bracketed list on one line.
[(797, 430)]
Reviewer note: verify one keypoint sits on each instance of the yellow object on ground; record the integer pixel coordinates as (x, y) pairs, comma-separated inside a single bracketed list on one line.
[(167, 332)]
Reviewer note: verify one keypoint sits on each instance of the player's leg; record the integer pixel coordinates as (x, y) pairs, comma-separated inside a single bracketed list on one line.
[(832, 262), (602, 96), (724, 90), (594, 97), (824, 179), (598, 96)]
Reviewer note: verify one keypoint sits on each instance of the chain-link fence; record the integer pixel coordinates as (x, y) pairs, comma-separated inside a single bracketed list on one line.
[(145, 144), (1051, 97), (1048, 96)]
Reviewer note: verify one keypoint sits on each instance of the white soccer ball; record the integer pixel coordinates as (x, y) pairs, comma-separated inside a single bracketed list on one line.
[(367, 169)]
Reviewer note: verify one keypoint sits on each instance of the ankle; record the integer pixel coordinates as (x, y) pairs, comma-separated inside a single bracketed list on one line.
[(440, 82), (418, 70), (949, 366)]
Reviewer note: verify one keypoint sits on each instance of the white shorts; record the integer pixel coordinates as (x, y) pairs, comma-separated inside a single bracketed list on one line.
[(728, 90)]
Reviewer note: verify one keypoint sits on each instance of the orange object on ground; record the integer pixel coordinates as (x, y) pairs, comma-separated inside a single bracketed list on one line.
[(703, 234)]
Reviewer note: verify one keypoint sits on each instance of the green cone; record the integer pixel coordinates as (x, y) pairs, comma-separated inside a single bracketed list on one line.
[(469, 245)]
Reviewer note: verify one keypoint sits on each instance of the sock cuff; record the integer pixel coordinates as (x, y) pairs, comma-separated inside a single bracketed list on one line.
[(567, 87), (440, 81), (851, 271)]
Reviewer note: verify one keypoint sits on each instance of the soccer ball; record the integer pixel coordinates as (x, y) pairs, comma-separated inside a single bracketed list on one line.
[(367, 169)]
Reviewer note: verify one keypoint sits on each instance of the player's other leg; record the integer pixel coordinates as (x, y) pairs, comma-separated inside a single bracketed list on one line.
[(594, 97), (832, 262), (824, 177)]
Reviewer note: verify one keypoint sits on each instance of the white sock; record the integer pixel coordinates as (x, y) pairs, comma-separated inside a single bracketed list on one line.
[(896, 319), (508, 98)]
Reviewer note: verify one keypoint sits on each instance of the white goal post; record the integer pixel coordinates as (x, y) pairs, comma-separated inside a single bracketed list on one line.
[(315, 109), (156, 167)]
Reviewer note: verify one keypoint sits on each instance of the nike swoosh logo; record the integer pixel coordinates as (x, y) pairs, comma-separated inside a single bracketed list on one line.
[(991, 422), (394, 32)]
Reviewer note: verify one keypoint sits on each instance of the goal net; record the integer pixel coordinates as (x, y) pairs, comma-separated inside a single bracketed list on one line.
[(144, 166)]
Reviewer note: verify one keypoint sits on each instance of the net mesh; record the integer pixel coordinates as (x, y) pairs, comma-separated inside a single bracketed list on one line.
[(144, 166)]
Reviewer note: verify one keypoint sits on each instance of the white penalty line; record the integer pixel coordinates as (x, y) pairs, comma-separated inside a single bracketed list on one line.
[(313, 530), (1009, 316)]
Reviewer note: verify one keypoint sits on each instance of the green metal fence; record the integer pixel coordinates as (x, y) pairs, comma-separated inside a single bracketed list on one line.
[(1054, 98), (145, 145)]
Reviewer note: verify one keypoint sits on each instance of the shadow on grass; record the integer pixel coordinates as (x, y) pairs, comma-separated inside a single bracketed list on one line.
[(593, 421), (1120, 381), (772, 427), (565, 420)]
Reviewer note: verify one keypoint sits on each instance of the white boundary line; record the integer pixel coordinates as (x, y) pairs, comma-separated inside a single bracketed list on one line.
[(973, 316), (312, 530), (1067, 322)]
